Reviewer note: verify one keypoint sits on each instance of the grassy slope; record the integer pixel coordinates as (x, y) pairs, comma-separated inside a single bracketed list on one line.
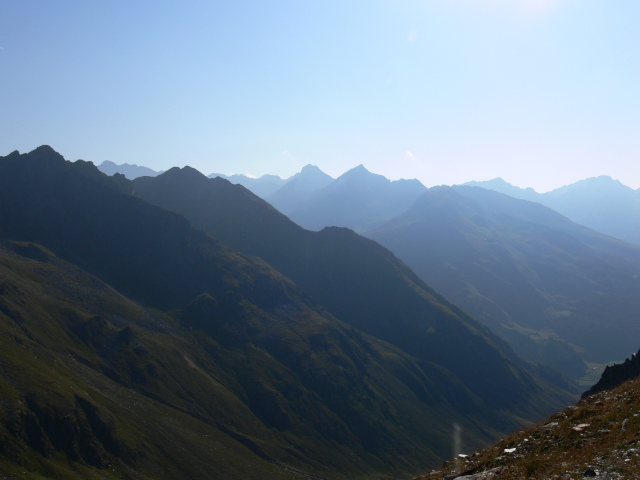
[(62, 415), (600, 435), (92, 382)]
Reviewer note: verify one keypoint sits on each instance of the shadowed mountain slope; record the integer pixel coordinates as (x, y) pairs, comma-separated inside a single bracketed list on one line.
[(355, 279), (222, 368), (525, 271)]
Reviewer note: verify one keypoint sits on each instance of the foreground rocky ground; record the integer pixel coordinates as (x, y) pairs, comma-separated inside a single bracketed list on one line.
[(597, 438)]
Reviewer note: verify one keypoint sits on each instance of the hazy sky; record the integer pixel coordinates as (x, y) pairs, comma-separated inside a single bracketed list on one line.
[(540, 92)]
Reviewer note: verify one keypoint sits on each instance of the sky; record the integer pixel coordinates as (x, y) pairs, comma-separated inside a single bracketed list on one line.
[(542, 93)]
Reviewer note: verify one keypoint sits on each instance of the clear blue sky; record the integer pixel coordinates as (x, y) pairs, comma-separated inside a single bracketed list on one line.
[(540, 92)]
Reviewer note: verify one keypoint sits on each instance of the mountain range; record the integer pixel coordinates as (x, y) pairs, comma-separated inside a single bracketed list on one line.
[(600, 203), (261, 186), (354, 278), (126, 169), (135, 345), (561, 294), (358, 199)]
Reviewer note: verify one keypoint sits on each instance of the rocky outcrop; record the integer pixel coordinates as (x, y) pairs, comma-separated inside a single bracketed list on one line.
[(615, 375)]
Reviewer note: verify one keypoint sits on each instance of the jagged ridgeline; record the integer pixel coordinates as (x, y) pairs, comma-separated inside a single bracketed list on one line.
[(135, 346)]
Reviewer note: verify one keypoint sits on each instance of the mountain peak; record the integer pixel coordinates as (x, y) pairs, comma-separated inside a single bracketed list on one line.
[(184, 174), (45, 152), (313, 173), (360, 172), (360, 168), (592, 187), (309, 169), (603, 181)]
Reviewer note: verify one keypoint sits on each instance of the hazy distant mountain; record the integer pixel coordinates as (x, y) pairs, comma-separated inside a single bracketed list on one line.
[(600, 203), (220, 363), (299, 189), (261, 186), (129, 171), (501, 186), (525, 271), (358, 199)]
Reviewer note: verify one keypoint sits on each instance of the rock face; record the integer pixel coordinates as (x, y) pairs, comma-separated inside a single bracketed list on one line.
[(614, 375)]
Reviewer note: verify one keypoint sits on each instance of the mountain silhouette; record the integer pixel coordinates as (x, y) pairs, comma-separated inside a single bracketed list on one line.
[(299, 189), (129, 171), (358, 199)]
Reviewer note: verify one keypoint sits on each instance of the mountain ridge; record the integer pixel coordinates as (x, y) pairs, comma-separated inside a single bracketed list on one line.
[(130, 171), (357, 199), (224, 348), (600, 203)]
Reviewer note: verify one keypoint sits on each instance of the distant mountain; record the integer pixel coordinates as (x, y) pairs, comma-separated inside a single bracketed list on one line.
[(358, 199), (501, 186), (299, 189), (261, 186), (600, 203), (135, 346), (129, 171), (556, 290)]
